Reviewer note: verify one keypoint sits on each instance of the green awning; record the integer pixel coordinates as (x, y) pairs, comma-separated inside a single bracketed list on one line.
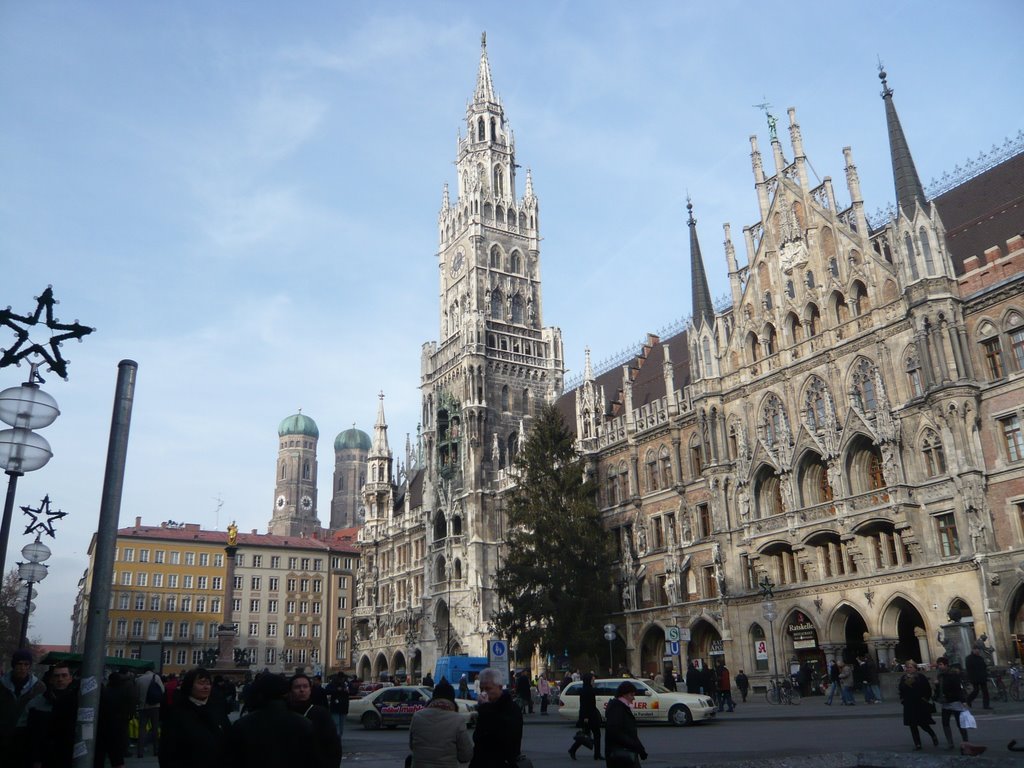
[(75, 660)]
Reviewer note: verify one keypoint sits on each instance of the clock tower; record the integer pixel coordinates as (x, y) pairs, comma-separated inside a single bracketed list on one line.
[(494, 366), (295, 489)]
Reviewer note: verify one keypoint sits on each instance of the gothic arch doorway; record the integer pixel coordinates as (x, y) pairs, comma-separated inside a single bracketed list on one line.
[(380, 668), (442, 624), (363, 671), (1015, 618), (398, 665), (416, 665), (652, 648), (901, 620), (848, 628), (705, 643)]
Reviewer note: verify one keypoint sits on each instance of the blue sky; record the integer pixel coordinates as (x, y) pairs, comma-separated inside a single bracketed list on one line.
[(243, 197)]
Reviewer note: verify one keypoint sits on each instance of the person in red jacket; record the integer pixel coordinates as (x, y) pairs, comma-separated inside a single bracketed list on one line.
[(724, 688)]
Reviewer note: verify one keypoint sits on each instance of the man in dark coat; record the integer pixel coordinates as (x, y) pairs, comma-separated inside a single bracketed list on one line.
[(17, 688), (622, 745), (977, 676), (949, 693), (693, 678), (51, 720), (523, 690), (325, 732), (743, 683), (498, 737), (271, 736), (337, 689)]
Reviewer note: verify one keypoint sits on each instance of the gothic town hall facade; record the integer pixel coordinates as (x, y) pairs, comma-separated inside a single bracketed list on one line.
[(846, 429)]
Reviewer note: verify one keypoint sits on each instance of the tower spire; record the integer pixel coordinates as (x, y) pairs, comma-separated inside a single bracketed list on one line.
[(909, 192), (380, 432), (484, 87), (703, 311)]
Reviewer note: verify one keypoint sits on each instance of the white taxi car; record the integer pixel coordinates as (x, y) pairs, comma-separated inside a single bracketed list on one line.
[(653, 703), (395, 705)]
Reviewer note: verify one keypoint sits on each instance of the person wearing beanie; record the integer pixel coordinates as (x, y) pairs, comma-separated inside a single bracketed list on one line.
[(17, 688), (438, 737)]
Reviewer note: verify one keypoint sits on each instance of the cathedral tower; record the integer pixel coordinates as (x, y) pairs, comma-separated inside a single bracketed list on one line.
[(295, 489), (350, 450)]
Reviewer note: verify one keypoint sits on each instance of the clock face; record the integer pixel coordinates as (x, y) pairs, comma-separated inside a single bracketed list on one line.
[(457, 261), (307, 503), (281, 501)]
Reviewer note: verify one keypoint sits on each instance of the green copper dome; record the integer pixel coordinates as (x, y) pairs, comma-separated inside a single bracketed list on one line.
[(298, 424), (352, 438)]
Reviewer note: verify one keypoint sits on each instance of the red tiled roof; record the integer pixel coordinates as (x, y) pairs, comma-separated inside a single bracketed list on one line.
[(193, 533)]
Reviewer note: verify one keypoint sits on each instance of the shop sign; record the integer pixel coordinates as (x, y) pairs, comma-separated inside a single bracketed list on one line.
[(803, 633), (717, 648)]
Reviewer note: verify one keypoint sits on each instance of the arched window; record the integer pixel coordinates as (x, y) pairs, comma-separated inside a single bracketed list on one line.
[(860, 299), (440, 527), (816, 404), (456, 526), (839, 308), (794, 328), (440, 570), (665, 460), (812, 476), (913, 368), (495, 262), (517, 309), (499, 180), (908, 246), (813, 320), (497, 306), (708, 370), (306, 471), (696, 457), (513, 447), (864, 394), (651, 464), (773, 423), (499, 215), (770, 342), (767, 299), (753, 347), (481, 130), (284, 471), (504, 398), (526, 402), (934, 457), (809, 279), (864, 468), (515, 263), (833, 267), (926, 251), (790, 290), (768, 493)]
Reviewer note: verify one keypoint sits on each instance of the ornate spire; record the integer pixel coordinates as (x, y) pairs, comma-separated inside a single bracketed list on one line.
[(484, 86), (909, 192), (703, 311), (380, 446), (588, 369), (528, 192), (445, 201)]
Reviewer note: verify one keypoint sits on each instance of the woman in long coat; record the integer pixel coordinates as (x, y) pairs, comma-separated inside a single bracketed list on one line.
[(622, 745), (196, 726), (916, 698)]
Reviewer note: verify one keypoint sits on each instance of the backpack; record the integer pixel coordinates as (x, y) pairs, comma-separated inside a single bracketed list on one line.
[(154, 693)]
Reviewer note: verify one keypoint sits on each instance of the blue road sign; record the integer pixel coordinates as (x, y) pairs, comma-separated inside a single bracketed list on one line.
[(499, 649), (673, 648)]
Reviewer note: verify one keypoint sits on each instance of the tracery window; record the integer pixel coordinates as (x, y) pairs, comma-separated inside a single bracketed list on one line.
[(913, 368), (863, 392), (773, 420), (815, 404)]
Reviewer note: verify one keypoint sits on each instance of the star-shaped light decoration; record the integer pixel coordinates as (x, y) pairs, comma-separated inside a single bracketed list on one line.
[(50, 350), (766, 587), (42, 511)]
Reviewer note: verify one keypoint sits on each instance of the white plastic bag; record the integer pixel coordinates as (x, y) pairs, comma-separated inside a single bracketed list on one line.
[(967, 720)]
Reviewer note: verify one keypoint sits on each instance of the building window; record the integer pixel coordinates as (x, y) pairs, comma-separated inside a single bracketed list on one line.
[(272, 606), (949, 543), (141, 579), (318, 585), (217, 584), (271, 657), (289, 630), (290, 605), (257, 561), (197, 656), (122, 628), (272, 629), (255, 583), (704, 520), (934, 458), (236, 605), (237, 582), (1017, 346), (186, 581), (137, 628), (186, 603), (190, 558), (215, 605), (203, 581), (304, 585), (180, 656), (171, 604), (183, 630), (318, 564), (304, 606), (126, 578), (254, 629), (914, 375), (218, 561), (200, 604), (239, 560), (158, 556), (342, 603), (993, 358), (143, 555), (293, 563), (153, 630), (291, 585), (204, 559), (254, 606), (175, 558), (275, 561), (158, 579), (140, 602), (710, 582), (1012, 438), (273, 583), (303, 630), (316, 607), (154, 603)]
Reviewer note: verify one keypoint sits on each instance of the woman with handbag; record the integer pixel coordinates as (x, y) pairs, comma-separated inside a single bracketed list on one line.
[(916, 698), (622, 746), (589, 723)]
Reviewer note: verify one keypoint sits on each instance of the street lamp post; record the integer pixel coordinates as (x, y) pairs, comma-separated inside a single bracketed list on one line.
[(609, 635), (770, 613), (31, 572), (25, 408)]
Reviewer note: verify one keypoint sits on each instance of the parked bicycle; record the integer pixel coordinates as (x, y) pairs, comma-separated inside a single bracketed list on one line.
[(782, 692), (997, 683)]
